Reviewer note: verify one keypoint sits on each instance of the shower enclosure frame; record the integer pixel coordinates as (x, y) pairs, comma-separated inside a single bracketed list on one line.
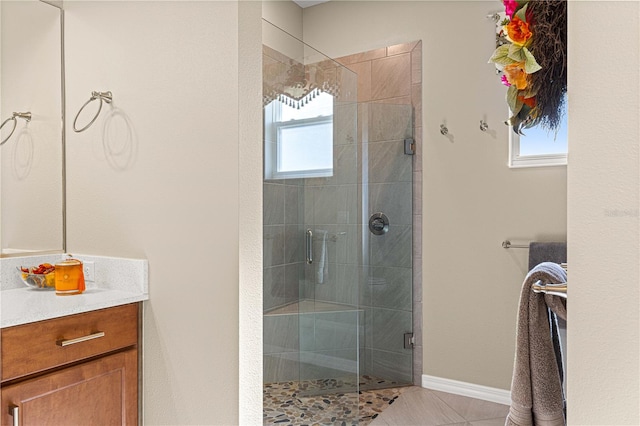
[(309, 301)]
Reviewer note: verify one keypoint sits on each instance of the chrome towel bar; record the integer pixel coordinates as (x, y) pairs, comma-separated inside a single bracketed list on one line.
[(508, 244)]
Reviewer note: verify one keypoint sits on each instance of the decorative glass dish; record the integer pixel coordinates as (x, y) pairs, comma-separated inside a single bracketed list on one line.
[(40, 278)]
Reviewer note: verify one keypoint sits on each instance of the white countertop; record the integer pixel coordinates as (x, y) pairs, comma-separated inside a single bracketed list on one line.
[(118, 281), (25, 305)]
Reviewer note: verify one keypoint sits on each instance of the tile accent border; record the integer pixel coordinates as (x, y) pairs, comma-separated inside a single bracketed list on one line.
[(471, 390)]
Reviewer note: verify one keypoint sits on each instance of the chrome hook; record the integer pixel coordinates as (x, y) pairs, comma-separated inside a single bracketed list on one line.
[(443, 129), (483, 126), (495, 17)]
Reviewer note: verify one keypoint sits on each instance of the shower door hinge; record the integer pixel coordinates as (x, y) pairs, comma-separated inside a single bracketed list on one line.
[(409, 146), (409, 341)]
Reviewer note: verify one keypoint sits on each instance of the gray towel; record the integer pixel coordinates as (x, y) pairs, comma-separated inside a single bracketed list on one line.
[(547, 252), (536, 389), (557, 253)]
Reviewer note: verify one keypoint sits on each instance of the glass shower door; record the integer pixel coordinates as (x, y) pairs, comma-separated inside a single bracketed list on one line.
[(387, 244), (312, 323), (330, 320)]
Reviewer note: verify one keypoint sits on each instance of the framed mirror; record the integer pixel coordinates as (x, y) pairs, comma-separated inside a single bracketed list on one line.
[(32, 172)]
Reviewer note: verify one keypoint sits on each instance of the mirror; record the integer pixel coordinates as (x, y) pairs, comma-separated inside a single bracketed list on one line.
[(32, 180)]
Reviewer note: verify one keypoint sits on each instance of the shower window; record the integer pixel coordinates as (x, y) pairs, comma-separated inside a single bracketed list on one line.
[(299, 141)]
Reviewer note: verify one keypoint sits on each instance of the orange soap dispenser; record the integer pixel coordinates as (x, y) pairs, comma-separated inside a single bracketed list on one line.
[(69, 277)]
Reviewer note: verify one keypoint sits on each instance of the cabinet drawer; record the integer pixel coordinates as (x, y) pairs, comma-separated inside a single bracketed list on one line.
[(35, 347)]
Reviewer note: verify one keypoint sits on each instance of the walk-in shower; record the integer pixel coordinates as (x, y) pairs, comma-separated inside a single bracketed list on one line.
[(338, 215)]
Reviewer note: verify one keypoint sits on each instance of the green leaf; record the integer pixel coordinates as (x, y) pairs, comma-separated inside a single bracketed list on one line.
[(515, 105), (522, 13), (516, 53), (524, 112), (530, 63), (501, 56), (529, 92)]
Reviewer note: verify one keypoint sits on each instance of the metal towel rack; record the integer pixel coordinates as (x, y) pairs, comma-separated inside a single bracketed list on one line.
[(538, 287), (559, 289), (24, 115), (552, 289), (508, 244), (103, 97)]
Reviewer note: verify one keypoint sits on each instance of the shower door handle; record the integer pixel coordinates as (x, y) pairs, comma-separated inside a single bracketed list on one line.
[(309, 245)]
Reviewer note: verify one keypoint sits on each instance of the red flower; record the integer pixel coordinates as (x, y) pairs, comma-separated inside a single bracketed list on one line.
[(530, 102)]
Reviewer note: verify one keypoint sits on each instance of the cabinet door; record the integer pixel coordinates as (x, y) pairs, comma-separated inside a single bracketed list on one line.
[(99, 392)]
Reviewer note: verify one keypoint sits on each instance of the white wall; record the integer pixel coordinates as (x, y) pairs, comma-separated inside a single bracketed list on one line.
[(170, 192), (604, 243), (285, 14), (250, 176), (471, 200)]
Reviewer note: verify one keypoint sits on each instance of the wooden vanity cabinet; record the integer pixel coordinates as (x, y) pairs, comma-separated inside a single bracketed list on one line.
[(76, 370)]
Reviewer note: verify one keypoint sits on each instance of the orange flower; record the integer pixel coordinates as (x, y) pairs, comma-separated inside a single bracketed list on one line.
[(518, 31), (530, 102), (516, 75)]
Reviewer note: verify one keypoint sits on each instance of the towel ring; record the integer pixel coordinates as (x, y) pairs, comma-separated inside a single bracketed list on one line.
[(101, 96), (24, 115)]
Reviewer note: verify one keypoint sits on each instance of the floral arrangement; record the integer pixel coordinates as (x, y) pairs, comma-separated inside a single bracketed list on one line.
[(532, 58)]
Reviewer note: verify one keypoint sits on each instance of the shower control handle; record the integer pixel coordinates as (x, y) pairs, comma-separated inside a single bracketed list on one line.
[(379, 223), (309, 240)]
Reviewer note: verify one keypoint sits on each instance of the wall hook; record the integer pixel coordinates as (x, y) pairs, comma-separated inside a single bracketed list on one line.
[(483, 126), (443, 129), (495, 17)]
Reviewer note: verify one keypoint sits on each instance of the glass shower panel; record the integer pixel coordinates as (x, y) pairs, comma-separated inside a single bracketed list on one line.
[(387, 214), (330, 320), (312, 323)]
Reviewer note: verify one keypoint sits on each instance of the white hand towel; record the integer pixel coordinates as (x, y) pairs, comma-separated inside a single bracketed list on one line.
[(323, 262)]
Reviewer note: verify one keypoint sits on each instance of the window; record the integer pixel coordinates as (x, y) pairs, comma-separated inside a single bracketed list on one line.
[(539, 147), (299, 141)]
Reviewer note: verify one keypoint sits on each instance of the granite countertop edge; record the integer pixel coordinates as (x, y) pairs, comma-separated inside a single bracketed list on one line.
[(23, 306)]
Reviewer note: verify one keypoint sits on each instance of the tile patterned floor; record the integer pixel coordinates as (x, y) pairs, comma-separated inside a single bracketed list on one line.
[(325, 402), (291, 404)]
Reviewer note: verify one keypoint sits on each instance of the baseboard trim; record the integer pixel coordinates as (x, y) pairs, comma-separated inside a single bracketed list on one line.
[(471, 390)]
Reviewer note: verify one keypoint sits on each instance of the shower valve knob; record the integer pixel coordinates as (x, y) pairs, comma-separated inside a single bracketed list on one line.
[(379, 223)]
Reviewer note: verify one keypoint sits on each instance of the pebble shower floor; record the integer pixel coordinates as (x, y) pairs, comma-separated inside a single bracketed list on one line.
[(297, 403)]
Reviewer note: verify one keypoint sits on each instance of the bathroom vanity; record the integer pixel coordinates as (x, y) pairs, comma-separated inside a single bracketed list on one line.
[(77, 369), (72, 360)]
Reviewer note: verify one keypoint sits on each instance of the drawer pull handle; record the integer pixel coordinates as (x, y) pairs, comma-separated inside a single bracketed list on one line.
[(15, 412), (68, 342)]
